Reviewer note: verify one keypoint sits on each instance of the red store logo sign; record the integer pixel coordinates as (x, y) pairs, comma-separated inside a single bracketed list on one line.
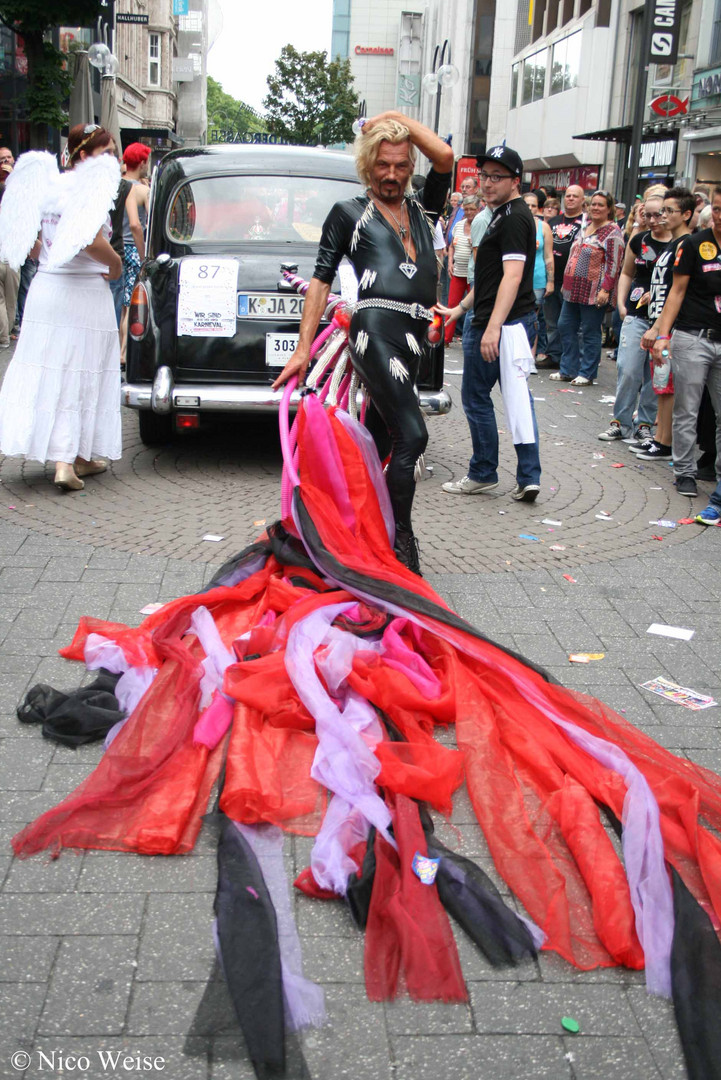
[(669, 105), (373, 50)]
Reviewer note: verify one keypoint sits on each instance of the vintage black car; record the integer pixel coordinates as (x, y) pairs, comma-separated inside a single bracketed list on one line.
[(212, 319)]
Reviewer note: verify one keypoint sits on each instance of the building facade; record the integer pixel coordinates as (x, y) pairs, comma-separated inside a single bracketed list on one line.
[(146, 90), (383, 40), (552, 71), (161, 86), (701, 136), (566, 77), (394, 45)]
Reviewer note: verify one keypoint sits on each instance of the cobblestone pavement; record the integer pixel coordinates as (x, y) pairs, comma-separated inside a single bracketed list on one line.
[(225, 482), (112, 952)]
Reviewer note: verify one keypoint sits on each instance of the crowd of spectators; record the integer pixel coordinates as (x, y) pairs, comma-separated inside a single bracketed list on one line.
[(646, 280)]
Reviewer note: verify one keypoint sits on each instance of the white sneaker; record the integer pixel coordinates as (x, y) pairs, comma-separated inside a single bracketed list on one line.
[(466, 486), (527, 493)]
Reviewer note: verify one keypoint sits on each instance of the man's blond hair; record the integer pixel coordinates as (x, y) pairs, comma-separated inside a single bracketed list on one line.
[(367, 147)]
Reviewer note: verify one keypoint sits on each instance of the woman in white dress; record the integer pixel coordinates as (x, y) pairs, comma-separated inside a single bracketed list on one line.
[(60, 399)]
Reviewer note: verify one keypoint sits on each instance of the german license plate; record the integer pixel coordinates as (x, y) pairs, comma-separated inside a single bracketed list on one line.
[(279, 348), (269, 306)]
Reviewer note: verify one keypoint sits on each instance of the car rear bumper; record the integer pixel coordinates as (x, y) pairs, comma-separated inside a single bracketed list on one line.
[(165, 397)]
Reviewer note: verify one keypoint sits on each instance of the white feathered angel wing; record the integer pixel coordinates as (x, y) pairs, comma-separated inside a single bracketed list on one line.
[(27, 190), (92, 193)]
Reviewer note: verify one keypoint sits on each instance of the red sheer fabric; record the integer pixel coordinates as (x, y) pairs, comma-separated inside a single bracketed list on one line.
[(409, 942), (532, 787), (152, 786)]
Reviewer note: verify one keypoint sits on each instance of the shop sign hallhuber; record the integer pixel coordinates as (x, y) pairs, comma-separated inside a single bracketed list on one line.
[(706, 89), (586, 176)]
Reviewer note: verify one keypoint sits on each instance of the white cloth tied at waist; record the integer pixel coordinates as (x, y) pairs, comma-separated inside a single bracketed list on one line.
[(516, 361)]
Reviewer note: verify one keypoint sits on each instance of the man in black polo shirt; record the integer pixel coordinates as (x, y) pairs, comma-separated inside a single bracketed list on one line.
[(694, 305), (503, 296)]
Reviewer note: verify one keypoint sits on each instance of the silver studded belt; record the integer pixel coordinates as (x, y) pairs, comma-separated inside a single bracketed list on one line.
[(416, 311)]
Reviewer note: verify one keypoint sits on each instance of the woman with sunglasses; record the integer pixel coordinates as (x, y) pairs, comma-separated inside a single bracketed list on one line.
[(589, 287), (60, 399)]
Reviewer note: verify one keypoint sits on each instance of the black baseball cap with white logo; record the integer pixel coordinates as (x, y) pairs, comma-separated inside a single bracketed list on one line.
[(503, 155)]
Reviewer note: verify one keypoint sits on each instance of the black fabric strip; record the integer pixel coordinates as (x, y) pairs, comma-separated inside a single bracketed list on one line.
[(249, 951), (286, 548), (471, 897), (696, 984), (261, 547), (387, 591), (360, 885)]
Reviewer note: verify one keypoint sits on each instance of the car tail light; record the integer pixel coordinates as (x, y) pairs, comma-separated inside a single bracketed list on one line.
[(435, 330), (139, 311), (185, 421)]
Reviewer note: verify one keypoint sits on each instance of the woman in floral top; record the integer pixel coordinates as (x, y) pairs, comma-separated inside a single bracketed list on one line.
[(589, 287)]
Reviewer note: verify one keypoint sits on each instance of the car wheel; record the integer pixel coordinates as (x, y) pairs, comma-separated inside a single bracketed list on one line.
[(155, 428)]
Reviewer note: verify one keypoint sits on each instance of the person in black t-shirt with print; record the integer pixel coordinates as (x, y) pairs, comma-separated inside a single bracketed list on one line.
[(503, 296), (634, 386), (694, 306), (565, 228), (678, 209)]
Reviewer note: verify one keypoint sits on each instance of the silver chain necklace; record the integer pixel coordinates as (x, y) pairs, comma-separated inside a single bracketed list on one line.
[(408, 267)]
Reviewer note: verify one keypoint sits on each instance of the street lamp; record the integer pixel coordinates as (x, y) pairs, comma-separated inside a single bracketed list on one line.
[(443, 75), (357, 125), (100, 56)]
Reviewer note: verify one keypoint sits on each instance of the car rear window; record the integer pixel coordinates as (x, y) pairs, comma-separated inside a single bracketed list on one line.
[(232, 209)]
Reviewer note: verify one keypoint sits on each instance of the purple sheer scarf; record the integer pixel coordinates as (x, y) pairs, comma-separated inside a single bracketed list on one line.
[(217, 657), (347, 729)]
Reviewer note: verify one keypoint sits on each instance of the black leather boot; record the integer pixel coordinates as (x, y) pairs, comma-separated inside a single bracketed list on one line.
[(407, 551)]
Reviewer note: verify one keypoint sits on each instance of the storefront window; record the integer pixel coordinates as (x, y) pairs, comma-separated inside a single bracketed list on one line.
[(72, 38), (566, 63), (480, 90), (534, 77), (514, 85)]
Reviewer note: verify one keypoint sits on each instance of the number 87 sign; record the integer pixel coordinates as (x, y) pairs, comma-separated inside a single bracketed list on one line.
[(206, 297)]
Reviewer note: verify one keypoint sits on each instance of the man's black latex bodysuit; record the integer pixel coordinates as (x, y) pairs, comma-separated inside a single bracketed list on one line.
[(385, 345)]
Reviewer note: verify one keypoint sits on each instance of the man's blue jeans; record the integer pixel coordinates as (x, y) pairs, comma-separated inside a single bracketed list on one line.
[(479, 378), (552, 311), (715, 499), (634, 383), (588, 319)]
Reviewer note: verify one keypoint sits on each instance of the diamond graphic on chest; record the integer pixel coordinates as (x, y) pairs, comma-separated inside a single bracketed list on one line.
[(408, 269)]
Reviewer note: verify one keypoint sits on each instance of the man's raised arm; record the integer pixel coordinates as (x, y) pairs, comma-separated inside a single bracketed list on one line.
[(435, 149)]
